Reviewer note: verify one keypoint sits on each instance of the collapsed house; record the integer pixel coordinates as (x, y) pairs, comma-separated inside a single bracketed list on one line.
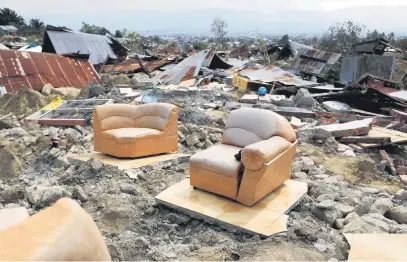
[(34, 70), (101, 49)]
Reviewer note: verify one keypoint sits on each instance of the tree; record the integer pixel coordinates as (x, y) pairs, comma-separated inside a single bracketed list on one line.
[(37, 24), (219, 30), (341, 36), (284, 40), (8, 16), (200, 46), (372, 35), (93, 29), (118, 34)]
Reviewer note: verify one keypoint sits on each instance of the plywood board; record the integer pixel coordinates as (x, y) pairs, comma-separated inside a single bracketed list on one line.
[(397, 137), (377, 247), (12, 216), (126, 163), (268, 217)]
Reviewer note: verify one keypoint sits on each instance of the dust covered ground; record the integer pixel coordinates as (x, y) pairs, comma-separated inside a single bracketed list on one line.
[(346, 194)]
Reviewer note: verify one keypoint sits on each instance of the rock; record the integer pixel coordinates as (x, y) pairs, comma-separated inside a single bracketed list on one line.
[(376, 222), (79, 194), (299, 175), (54, 152), (11, 195), (360, 226), (364, 206), (316, 171), (192, 140), (401, 195), (308, 163), (349, 201), (344, 209), (8, 122), (326, 204), (306, 233), (367, 166), (96, 165), (320, 245), (303, 99), (128, 189), (381, 206), (183, 129), (339, 223), (208, 144), (202, 134), (179, 219), (67, 92), (369, 190), (350, 217), (327, 197), (72, 135), (44, 196), (297, 166), (47, 89), (352, 193), (329, 216), (61, 162), (220, 121), (331, 143), (398, 214), (319, 188), (321, 176), (150, 211), (200, 145)]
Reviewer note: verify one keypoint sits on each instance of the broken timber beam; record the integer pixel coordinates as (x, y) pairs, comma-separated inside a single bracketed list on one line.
[(387, 158), (366, 139)]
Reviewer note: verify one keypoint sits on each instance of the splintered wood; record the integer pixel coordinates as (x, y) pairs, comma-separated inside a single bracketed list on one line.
[(396, 137)]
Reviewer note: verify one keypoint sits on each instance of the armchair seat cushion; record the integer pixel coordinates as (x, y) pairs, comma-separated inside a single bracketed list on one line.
[(219, 159), (129, 135)]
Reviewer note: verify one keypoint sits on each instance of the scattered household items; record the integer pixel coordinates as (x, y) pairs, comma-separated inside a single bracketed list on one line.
[(267, 151), (125, 164), (123, 130), (377, 247), (37, 69), (266, 218), (70, 113), (72, 232), (99, 48)]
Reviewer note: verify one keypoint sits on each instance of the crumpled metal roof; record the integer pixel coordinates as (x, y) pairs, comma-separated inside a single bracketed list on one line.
[(297, 48), (97, 46), (315, 61), (274, 74), (132, 66), (34, 70), (8, 28)]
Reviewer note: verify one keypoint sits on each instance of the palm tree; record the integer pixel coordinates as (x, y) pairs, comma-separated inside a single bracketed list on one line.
[(37, 24), (8, 16)]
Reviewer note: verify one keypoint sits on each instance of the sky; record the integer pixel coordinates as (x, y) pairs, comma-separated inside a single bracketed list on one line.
[(194, 17)]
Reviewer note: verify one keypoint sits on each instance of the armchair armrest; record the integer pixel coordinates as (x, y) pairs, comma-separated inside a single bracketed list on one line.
[(256, 155)]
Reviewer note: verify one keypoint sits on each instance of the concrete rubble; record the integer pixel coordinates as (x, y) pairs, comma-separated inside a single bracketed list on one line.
[(351, 187)]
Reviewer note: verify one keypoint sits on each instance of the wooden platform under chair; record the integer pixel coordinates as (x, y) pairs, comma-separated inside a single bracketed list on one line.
[(126, 163), (268, 217)]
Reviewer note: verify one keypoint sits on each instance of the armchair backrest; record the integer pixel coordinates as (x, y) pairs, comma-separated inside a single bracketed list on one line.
[(114, 116), (246, 126)]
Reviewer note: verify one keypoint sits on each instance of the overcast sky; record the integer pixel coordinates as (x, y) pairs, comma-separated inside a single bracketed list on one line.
[(178, 16)]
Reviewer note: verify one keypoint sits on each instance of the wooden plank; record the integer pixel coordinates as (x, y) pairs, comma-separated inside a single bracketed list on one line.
[(396, 137), (389, 161), (366, 139), (295, 122)]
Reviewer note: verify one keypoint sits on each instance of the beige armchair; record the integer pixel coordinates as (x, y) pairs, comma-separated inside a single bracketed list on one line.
[(268, 144), (62, 232), (123, 130)]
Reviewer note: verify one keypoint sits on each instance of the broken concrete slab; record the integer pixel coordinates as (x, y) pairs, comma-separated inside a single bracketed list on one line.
[(353, 128), (335, 106)]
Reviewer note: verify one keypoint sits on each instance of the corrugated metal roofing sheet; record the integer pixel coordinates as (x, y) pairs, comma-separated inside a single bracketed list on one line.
[(97, 46), (132, 66), (274, 74), (315, 61), (34, 70), (297, 48), (8, 28)]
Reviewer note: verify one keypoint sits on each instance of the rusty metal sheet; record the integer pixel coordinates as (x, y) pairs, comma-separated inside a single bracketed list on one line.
[(315, 62), (34, 70), (132, 66)]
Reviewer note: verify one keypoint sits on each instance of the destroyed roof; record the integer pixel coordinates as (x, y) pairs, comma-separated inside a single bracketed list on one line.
[(315, 62), (241, 51), (8, 28), (3, 47), (274, 74), (375, 46), (61, 42), (133, 66), (190, 67), (34, 70), (297, 48)]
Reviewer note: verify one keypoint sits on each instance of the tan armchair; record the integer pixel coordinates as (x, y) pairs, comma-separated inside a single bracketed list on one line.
[(63, 232), (123, 130), (268, 144)]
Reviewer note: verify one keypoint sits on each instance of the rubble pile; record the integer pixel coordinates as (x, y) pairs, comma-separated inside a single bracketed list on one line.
[(351, 151)]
